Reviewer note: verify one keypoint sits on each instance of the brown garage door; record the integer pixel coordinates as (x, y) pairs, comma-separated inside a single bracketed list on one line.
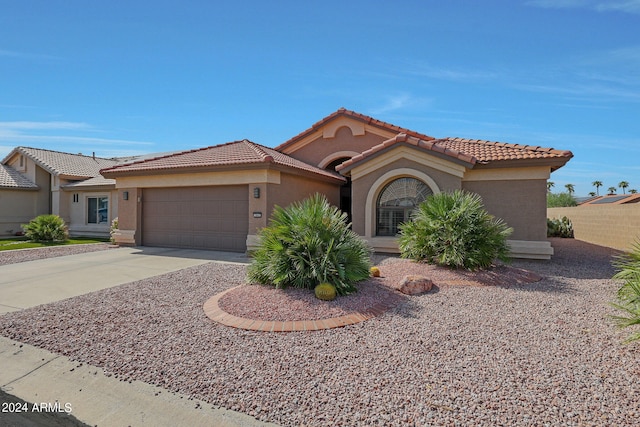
[(196, 217)]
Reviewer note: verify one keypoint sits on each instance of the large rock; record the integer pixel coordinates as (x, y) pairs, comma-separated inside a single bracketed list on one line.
[(412, 285)]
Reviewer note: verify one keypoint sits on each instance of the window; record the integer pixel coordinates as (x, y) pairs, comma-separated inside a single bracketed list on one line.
[(396, 202), (97, 210)]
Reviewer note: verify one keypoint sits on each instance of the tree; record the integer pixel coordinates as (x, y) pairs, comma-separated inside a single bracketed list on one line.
[(592, 193), (612, 190), (597, 184), (550, 185), (633, 191), (623, 185), (570, 188)]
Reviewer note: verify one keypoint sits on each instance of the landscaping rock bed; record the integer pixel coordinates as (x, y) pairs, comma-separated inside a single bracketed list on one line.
[(23, 255), (542, 353)]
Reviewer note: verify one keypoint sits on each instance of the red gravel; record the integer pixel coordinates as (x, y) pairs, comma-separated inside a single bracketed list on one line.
[(260, 302)]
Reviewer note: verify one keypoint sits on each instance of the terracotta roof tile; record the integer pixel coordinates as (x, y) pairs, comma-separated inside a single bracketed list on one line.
[(233, 153), (11, 178), (469, 151), (488, 151), (367, 119)]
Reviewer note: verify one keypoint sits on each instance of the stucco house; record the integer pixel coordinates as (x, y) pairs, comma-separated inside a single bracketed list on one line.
[(219, 197), (35, 181)]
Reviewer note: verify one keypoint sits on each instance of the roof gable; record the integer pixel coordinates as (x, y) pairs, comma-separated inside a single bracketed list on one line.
[(236, 153), (64, 164), (388, 128)]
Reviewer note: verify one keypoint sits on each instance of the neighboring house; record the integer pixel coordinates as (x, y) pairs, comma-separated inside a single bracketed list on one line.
[(36, 181), (219, 197), (611, 199)]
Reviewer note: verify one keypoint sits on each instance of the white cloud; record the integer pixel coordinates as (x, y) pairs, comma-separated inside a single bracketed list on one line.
[(399, 102), (57, 135), (626, 6)]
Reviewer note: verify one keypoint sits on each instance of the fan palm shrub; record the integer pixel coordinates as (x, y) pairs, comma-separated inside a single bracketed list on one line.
[(628, 296), (46, 228), (308, 243), (454, 230)]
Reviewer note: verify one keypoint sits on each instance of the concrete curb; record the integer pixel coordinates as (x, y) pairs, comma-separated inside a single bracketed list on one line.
[(40, 377)]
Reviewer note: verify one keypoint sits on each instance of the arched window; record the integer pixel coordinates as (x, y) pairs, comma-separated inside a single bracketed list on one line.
[(396, 202)]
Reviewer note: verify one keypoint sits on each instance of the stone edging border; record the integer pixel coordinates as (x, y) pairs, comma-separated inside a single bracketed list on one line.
[(215, 313)]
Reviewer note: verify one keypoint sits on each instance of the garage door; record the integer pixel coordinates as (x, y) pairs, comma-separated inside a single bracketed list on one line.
[(196, 217)]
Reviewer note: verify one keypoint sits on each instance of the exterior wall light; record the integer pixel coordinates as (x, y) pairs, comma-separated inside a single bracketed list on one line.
[(256, 193)]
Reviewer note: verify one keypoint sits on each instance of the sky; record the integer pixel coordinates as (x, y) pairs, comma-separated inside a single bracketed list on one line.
[(124, 77)]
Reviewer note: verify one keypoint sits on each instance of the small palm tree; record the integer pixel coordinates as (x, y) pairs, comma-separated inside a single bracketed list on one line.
[(623, 185), (308, 243), (592, 193), (633, 191), (612, 190), (597, 184), (628, 300), (454, 230), (550, 185), (570, 188)]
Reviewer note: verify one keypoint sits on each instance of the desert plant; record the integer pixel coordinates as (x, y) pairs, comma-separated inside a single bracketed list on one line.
[(628, 296), (558, 200), (454, 229), (375, 272), (325, 291), (560, 227), (309, 243), (46, 228), (113, 230)]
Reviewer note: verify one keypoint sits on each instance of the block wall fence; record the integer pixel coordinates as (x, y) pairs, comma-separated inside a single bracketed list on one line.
[(614, 226)]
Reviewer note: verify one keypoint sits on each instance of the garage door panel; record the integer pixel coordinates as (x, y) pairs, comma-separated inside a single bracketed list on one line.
[(196, 217)]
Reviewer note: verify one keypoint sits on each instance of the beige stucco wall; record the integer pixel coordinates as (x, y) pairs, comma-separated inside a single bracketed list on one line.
[(614, 226), (295, 188), (17, 207), (520, 203), (322, 148), (75, 213)]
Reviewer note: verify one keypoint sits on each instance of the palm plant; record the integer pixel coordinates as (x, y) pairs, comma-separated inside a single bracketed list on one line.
[(454, 230), (628, 296), (623, 185), (46, 228), (309, 243), (570, 188), (550, 185), (612, 190), (597, 184)]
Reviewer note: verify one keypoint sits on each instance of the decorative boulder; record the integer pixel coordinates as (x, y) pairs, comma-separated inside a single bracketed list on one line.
[(412, 285)]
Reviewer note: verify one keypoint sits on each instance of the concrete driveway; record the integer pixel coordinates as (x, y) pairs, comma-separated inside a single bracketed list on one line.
[(32, 283)]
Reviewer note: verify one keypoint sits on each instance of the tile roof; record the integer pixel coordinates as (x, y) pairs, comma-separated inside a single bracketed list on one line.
[(471, 151), (490, 151), (11, 178), (91, 182), (348, 113), (233, 153), (65, 164)]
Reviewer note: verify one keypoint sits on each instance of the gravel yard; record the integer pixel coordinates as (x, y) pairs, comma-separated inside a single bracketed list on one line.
[(540, 353)]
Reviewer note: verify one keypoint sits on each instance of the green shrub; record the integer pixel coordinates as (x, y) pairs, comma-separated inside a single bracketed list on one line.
[(46, 228), (454, 230), (559, 200), (559, 227), (309, 243), (628, 296)]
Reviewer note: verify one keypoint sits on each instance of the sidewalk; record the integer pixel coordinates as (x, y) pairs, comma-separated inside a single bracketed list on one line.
[(38, 376)]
